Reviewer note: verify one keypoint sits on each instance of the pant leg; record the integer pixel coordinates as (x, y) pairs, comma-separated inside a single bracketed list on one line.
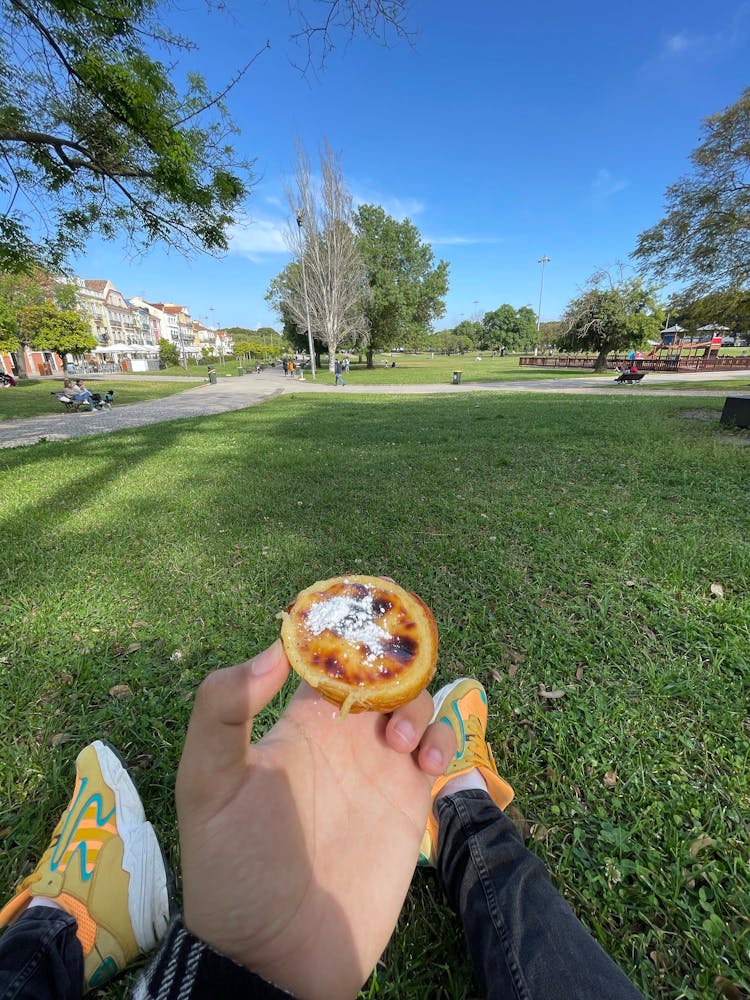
[(525, 941), (41, 958)]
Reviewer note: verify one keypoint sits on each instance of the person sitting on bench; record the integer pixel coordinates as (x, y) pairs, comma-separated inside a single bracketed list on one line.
[(81, 394)]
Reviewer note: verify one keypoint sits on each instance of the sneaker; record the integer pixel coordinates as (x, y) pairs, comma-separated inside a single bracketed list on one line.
[(103, 866), (463, 706)]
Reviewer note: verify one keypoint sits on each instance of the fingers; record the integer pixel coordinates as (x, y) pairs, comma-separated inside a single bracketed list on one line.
[(436, 749), (219, 731), (409, 728), (407, 724)]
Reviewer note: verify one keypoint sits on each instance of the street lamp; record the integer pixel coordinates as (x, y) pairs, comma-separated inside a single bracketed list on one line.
[(541, 260), (300, 220)]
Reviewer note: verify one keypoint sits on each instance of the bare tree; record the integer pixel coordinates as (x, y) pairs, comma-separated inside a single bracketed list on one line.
[(330, 284)]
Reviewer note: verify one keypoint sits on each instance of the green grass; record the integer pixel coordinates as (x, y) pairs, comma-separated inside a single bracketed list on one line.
[(32, 397), (563, 542)]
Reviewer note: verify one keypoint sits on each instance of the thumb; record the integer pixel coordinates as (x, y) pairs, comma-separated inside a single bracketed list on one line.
[(218, 735)]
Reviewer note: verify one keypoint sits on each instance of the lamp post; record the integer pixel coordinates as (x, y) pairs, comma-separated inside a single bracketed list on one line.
[(300, 220), (541, 260)]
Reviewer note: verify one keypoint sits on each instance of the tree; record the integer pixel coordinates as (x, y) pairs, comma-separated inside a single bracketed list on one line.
[(730, 308), (610, 316), (8, 329), (407, 287), (509, 328), (96, 136), (20, 293), (331, 282), (241, 348), (168, 354), (47, 328), (704, 238)]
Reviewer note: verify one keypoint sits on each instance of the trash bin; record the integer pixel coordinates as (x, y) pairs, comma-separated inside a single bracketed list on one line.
[(457, 378), (240, 370), (212, 377)]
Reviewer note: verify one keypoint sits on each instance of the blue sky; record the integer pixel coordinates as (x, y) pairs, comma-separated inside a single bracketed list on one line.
[(504, 134)]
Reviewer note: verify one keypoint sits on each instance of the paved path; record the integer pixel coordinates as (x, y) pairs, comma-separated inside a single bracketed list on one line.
[(248, 390)]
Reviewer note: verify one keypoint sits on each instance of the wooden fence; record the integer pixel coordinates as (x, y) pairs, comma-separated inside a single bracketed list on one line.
[(673, 363)]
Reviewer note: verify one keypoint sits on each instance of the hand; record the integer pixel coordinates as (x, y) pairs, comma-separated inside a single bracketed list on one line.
[(298, 850)]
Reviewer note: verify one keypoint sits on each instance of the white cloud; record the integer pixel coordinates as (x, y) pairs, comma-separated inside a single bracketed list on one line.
[(398, 208), (683, 44), (256, 238), (604, 186), (455, 241)]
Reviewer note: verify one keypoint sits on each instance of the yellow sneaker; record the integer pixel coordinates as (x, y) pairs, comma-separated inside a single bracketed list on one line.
[(463, 706), (103, 866)]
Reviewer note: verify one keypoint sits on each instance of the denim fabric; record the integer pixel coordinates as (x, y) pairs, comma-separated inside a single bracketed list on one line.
[(525, 941), (41, 958)]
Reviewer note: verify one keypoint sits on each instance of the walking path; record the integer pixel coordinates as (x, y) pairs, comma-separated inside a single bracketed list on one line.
[(248, 390)]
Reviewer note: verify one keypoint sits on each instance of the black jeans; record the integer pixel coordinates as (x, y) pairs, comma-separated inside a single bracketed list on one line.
[(41, 957), (525, 941)]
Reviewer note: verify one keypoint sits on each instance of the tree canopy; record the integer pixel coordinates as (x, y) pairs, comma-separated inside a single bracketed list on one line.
[(704, 239), (47, 328), (96, 135), (609, 316), (514, 329), (407, 287)]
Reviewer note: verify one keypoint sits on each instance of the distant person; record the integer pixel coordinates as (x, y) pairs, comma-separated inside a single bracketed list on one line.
[(6, 380), (285, 366), (339, 379), (346, 365), (81, 394), (290, 366)]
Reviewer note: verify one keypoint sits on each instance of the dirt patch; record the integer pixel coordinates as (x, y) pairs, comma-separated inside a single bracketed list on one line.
[(700, 415), (740, 438)]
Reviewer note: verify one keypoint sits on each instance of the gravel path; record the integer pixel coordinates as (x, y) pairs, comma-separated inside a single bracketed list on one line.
[(238, 393)]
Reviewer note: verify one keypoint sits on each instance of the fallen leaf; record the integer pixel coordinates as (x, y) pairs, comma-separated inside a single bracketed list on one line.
[(648, 632), (728, 989), (552, 695), (520, 821), (514, 656), (497, 675), (717, 590), (539, 832), (121, 691), (512, 670), (132, 648), (4, 831), (700, 843), (59, 738), (610, 779), (579, 673), (630, 583)]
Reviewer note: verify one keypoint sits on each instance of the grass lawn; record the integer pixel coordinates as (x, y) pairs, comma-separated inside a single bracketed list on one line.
[(31, 397), (596, 547), (412, 368)]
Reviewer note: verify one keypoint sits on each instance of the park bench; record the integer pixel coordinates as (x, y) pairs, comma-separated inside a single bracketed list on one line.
[(101, 402), (628, 376)]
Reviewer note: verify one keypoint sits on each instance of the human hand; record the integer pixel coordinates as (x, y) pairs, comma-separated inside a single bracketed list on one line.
[(298, 850)]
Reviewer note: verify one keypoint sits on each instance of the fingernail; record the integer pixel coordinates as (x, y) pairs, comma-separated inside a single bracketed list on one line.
[(405, 730), (435, 759)]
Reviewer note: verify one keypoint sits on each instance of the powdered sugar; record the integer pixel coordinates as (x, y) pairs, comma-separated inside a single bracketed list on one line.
[(350, 618)]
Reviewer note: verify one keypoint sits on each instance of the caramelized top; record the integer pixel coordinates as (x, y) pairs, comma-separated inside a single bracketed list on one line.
[(356, 633)]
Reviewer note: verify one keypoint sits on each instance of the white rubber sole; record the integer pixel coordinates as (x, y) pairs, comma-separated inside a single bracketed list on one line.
[(148, 893)]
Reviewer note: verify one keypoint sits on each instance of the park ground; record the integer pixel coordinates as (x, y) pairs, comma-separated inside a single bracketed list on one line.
[(586, 557)]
